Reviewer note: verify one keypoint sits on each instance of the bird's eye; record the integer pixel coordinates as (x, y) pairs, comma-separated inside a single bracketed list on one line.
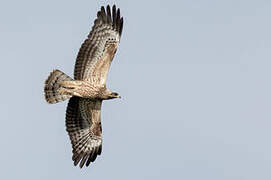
[(115, 94)]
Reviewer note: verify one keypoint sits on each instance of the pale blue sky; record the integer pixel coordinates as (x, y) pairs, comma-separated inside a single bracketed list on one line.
[(194, 77)]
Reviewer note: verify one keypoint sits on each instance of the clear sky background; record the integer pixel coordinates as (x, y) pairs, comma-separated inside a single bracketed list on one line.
[(194, 77)]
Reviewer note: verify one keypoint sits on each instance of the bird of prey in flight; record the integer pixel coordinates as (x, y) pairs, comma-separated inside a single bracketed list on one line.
[(88, 88)]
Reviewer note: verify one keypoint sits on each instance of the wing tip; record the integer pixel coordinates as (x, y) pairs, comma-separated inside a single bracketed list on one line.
[(87, 158), (111, 17)]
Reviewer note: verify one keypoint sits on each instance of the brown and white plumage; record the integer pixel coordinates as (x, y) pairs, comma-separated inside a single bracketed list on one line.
[(52, 83), (88, 89), (83, 123), (96, 53)]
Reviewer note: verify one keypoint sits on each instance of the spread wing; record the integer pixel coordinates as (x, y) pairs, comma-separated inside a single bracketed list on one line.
[(96, 53), (83, 124)]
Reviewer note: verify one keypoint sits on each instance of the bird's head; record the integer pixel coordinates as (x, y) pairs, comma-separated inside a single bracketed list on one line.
[(113, 95)]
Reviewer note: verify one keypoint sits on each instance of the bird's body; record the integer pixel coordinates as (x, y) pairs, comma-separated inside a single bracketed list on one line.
[(88, 88), (85, 89)]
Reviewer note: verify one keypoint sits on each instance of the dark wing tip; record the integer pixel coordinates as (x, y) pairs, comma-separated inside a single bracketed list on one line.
[(119, 22), (86, 158), (121, 26), (108, 11), (100, 150), (103, 14), (111, 17), (76, 159), (114, 6), (114, 14)]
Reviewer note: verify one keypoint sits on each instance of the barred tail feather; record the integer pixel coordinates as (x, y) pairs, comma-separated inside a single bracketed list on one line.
[(52, 85)]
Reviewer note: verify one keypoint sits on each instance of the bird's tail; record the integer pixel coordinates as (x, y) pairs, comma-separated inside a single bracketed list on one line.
[(52, 84)]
